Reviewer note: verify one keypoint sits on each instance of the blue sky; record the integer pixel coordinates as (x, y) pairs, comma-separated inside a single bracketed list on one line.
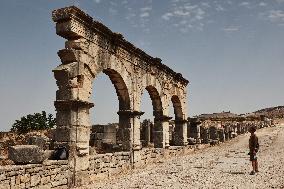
[(231, 51)]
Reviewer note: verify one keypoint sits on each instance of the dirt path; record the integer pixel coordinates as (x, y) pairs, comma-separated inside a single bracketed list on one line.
[(224, 166)]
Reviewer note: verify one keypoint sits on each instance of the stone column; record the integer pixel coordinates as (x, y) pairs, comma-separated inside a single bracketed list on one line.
[(166, 127), (129, 129), (161, 131), (238, 128), (180, 132), (145, 133), (230, 131), (148, 134), (213, 133), (72, 118), (198, 135), (205, 135), (221, 135)]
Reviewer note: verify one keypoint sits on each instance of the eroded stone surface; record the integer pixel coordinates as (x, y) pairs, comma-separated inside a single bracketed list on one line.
[(25, 154)]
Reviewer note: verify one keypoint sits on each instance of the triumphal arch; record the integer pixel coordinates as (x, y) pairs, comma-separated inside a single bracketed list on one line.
[(92, 49)]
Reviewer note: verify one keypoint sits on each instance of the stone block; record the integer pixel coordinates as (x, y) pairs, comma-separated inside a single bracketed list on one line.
[(47, 186), (35, 180), (13, 182), (25, 178), (82, 163), (44, 180), (2, 177), (39, 141), (59, 182), (83, 134), (25, 154), (4, 184), (62, 134)]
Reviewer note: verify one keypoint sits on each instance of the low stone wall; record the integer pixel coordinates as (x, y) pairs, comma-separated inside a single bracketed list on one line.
[(50, 174), (103, 166), (110, 164), (155, 155)]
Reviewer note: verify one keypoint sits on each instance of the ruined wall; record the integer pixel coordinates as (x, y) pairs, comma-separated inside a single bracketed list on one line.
[(157, 155), (51, 174), (102, 166)]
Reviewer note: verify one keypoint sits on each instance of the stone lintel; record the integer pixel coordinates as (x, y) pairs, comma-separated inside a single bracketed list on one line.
[(130, 113), (65, 28), (72, 104)]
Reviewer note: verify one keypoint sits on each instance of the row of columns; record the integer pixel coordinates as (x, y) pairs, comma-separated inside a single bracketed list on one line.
[(204, 133), (129, 131)]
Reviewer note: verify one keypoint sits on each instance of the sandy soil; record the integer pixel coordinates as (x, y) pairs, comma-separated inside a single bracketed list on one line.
[(223, 166)]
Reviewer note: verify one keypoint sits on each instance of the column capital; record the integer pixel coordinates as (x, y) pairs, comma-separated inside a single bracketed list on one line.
[(130, 113), (72, 104), (163, 118)]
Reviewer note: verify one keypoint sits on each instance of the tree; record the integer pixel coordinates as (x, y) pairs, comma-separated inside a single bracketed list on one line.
[(37, 121)]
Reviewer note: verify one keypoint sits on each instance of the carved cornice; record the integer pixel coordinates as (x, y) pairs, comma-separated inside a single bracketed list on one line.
[(73, 104), (92, 27), (163, 118), (130, 113)]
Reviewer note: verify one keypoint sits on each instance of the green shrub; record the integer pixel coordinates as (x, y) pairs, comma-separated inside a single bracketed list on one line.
[(37, 121)]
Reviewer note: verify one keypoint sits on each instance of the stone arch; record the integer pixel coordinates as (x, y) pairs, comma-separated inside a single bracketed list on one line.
[(160, 132), (120, 87), (156, 100), (178, 111), (180, 123), (155, 133), (124, 100)]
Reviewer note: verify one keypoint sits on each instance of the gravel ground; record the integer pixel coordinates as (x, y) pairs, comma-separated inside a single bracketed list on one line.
[(223, 166)]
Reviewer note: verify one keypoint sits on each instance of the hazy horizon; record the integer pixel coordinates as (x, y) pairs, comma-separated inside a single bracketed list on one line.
[(232, 53)]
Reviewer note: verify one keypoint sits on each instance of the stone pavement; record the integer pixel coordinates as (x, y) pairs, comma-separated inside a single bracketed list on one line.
[(223, 166)]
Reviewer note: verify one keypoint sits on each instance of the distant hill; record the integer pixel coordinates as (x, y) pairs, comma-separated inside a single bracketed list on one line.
[(223, 114), (272, 112)]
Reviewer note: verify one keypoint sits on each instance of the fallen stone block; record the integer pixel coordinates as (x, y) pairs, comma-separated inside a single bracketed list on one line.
[(26, 154), (40, 141)]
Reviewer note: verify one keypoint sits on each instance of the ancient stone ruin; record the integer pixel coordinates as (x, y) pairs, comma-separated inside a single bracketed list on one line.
[(92, 49)]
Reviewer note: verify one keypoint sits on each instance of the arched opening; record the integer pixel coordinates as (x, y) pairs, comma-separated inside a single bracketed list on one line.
[(178, 125), (106, 122), (177, 107), (153, 110)]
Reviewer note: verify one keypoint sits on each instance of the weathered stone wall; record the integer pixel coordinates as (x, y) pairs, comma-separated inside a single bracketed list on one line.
[(103, 166), (50, 174), (156, 155)]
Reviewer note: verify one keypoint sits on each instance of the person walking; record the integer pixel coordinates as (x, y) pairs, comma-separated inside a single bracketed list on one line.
[(253, 149)]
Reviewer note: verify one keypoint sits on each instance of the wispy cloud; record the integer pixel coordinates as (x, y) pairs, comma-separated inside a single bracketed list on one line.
[(276, 16), (186, 16), (138, 17), (97, 1), (244, 3), (262, 4), (145, 12), (231, 29), (219, 8)]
